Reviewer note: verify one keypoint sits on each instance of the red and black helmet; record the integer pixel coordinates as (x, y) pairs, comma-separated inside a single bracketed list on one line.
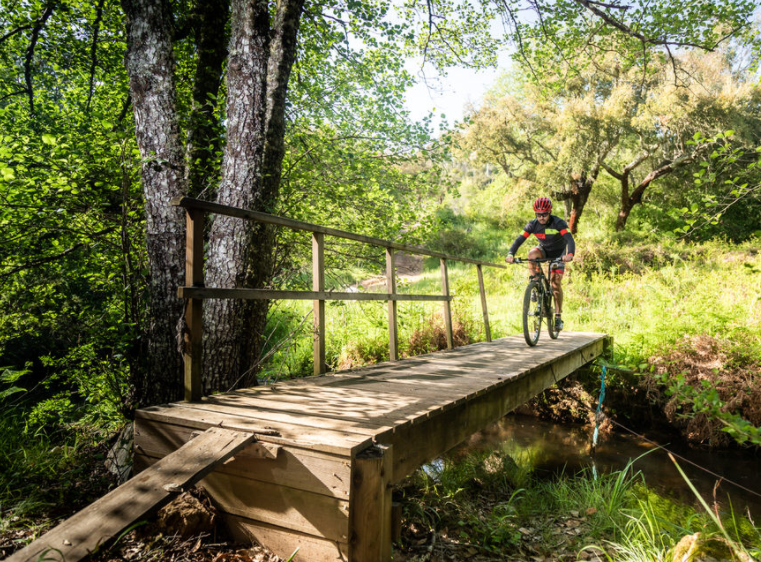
[(543, 205)]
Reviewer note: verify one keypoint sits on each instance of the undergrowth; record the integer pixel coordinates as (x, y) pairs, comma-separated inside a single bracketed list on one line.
[(489, 503), (48, 472)]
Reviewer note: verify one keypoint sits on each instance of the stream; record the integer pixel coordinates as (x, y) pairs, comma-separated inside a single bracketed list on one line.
[(551, 448)]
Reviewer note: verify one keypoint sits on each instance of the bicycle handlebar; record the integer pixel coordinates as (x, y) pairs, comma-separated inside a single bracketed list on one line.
[(538, 260)]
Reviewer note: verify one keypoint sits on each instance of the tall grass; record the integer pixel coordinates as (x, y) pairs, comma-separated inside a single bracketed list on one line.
[(489, 500), (44, 470)]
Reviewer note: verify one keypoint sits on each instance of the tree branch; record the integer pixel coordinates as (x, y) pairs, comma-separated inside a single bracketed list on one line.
[(30, 50), (125, 109), (592, 7), (17, 93), (48, 259), (549, 35), (430, 31), (613, 6), (10, 34), (636, 162), (611, 171), (663, 169), (93, 52), (520, 39)]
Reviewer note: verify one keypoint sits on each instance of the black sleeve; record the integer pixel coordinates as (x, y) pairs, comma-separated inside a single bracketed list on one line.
[(521, 238), (516, 245), (570, 243)]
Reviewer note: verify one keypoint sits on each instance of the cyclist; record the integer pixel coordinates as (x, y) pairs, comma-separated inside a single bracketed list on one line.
[(555, 240)]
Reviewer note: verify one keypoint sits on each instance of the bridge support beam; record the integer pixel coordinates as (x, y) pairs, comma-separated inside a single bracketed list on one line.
[(370, 508)]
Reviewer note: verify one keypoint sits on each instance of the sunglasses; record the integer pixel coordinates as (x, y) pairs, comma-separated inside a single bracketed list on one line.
[(542, 214)]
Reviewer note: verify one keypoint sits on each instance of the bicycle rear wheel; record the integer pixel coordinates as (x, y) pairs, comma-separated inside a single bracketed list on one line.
[(554, 333), (532, 313)]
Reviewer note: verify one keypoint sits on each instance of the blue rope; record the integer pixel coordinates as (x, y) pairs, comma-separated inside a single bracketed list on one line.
[(599, 409)]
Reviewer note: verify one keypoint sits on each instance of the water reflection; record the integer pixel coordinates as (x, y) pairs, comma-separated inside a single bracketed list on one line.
[(550, 448)]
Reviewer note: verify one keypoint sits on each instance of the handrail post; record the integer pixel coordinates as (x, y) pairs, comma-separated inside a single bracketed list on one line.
[(193, 336), (318, 284), (483, 301), (393, 344), (447, 307)]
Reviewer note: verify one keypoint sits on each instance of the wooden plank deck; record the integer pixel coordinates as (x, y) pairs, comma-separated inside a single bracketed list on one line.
[(340, 441)]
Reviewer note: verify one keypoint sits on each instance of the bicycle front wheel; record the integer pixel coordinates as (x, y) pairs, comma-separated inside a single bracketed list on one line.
[(532, 313), (553, 331)]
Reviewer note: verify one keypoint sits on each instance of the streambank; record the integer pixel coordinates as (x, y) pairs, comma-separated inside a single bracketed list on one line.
[(702, 391), (527, 489)]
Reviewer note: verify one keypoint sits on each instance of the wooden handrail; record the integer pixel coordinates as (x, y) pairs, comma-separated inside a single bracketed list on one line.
[(216, 208), (195, 292), (272, 294)]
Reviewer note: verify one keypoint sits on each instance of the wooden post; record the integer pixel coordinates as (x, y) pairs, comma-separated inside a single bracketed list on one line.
[(393, 344), (607, 348), (193, 335), (447, 307), (370, 515), (318, 284), (483, 301)]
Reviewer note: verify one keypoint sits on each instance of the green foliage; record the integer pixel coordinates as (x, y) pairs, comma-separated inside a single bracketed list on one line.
[(728, 191), (9, 377), (642, 33), (73, 279), (459, 236), (41, 469), (71, 220), (625, 131)]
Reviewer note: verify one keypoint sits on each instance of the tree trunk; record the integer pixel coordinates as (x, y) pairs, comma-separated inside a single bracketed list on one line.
[(150, 65), (629, 201), (623, 215), (204, 133), (577, 195), (241, 252)]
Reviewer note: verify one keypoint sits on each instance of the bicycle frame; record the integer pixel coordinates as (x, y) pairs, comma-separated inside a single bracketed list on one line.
[(537, 303), (545, 279)]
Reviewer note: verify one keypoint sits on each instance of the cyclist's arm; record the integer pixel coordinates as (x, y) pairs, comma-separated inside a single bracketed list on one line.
[(569, 241), (520, 240)]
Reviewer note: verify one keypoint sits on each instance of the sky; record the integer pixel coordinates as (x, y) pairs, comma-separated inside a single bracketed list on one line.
[(450, 94)]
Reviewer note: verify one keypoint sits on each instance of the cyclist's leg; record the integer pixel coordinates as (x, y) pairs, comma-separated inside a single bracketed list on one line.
[(557, 289), (556, 280), (535, 254)]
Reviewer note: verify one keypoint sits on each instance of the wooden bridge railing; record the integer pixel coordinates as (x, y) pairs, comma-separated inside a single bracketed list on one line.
[(195, 290)]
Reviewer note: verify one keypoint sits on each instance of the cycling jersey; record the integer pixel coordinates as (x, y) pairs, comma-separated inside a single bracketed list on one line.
[(554, 237)]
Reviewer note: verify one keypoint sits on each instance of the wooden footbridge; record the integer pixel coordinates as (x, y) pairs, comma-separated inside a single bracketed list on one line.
[(309, 464), (329, 449)]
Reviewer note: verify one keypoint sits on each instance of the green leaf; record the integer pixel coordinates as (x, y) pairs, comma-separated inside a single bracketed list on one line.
[(10, 391)]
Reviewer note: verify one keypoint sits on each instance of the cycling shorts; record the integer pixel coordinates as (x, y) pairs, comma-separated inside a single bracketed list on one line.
[(557, 268)]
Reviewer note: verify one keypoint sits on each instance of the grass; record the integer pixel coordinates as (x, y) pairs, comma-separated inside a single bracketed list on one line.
[(46, 473), (491, 502), (647, 297)]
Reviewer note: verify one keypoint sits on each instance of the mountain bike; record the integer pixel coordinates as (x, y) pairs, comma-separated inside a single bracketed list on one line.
[(537, 302)]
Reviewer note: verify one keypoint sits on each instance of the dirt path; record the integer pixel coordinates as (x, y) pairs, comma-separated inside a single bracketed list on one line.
[(409, 268)]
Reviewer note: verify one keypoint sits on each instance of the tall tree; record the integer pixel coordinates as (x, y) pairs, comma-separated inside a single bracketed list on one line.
[(150, 64), (240, 252), (637, 125)]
